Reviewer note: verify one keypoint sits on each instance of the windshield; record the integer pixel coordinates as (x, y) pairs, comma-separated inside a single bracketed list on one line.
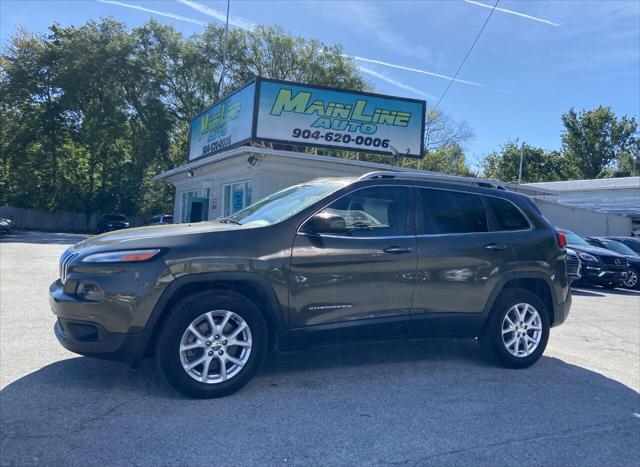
[(573, 239), (619, 248), (285, 203)]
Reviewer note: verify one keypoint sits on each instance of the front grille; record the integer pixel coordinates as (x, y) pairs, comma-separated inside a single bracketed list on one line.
[(615, 262), (65, 261), (573, 264)]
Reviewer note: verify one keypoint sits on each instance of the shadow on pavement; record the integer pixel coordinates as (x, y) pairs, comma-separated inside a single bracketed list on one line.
[(42, 238), (415, 402)]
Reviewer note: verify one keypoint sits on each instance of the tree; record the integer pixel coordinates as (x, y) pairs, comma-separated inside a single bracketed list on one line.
[(595, 140), (539, 165), (90, 114), (449, 159), (441, 131)]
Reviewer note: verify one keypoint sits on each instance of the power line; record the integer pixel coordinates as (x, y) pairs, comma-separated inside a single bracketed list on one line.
[(468, 53)]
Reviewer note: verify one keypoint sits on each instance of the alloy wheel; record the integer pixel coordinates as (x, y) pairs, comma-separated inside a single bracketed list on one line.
[(632, 280), (521, 330), (215, 346)]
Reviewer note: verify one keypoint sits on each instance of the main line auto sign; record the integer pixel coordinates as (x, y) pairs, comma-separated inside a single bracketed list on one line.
[(299, 114)]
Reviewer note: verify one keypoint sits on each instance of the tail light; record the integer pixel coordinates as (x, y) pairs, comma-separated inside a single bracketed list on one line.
[(562, 239)]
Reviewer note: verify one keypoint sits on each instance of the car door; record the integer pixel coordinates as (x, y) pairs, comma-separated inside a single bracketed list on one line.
[(459, 260), (364, 273)]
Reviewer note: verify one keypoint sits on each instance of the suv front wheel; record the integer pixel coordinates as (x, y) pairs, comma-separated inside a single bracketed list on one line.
[(518, 329), (211, 344)]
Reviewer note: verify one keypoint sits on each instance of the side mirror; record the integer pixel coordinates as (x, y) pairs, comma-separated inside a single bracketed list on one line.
[(327, 222)]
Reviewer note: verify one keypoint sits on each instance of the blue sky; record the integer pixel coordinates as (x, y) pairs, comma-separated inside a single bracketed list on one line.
[(534, 61)]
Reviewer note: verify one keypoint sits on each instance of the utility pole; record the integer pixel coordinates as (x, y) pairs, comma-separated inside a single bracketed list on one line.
[(224, 53), (521, 162)]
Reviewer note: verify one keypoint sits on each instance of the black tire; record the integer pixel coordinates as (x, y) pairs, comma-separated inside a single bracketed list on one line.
[(491, 338), (182, 315)]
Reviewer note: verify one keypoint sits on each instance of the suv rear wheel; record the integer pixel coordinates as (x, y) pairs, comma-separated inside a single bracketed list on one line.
[(211, 344), (518, 329)]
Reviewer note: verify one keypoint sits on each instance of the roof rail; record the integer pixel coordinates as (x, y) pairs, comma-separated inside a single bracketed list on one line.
[(434, 177)]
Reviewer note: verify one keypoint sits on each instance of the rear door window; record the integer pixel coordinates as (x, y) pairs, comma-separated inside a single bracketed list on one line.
[(452, 212), (507, 215)]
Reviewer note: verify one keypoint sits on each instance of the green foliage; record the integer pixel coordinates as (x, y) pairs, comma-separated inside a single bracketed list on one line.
[(596, 141), (449, 159), (538, 165), (595, 144), (89, 114)]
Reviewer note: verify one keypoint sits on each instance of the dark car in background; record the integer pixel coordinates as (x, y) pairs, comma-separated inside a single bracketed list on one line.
[(111, 222), (599, 265), (162, 219), (631, 242), (632, 257), (6, 225)]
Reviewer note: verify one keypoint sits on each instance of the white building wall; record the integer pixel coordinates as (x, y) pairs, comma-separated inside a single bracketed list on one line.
[(583, 221), (272, 172)]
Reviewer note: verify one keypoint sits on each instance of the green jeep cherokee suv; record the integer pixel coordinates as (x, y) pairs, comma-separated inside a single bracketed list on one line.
[(387, 254)]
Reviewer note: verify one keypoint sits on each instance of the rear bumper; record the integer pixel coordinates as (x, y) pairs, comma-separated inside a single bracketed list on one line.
[(562, 311)]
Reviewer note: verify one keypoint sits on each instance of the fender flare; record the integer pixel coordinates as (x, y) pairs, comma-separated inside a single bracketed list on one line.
[(513, 275), (274, 308)]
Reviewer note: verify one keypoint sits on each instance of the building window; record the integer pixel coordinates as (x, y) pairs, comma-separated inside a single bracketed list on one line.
[(236, 196), (185, 200)]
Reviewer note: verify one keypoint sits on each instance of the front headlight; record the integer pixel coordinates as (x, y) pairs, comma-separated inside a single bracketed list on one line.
[(122, 256), (588, 257)]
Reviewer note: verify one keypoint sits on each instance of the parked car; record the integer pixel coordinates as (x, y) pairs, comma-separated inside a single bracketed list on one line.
[(599, 265), (433, 255), (631, 242), (161, 220), (574, 266), (632, 257), (6, 225), (110, 222)]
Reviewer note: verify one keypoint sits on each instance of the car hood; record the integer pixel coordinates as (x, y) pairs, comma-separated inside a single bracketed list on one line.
[(156, 236), (594, 250)]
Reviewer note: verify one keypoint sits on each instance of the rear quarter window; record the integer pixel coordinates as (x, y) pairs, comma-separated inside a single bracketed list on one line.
[(507, 215)]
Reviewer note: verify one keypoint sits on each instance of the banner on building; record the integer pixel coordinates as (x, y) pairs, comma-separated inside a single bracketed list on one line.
[(304, 115)]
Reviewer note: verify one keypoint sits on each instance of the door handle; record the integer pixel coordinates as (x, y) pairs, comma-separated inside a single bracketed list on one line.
[(495, 247), (397, 250)]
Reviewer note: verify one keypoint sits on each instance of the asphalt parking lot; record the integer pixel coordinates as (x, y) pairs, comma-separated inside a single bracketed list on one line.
[(416, 402)]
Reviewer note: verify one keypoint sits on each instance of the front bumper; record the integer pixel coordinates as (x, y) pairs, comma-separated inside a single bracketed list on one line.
[(114, 328), (601, 275), (92, 340)]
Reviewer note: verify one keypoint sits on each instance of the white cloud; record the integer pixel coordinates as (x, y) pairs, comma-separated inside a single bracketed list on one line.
[(166, 14), (396, 83), (236, 21), (414, 70), (511, 12)]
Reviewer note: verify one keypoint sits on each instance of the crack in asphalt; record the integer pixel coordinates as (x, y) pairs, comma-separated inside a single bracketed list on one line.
[(537, 436)]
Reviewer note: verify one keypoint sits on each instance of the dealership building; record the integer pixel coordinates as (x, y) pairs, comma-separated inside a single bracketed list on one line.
[(234, 160)]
